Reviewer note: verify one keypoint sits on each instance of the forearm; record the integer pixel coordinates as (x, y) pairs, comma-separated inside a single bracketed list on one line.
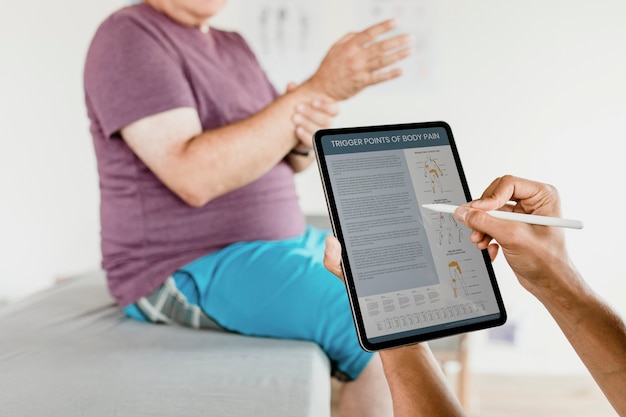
[(418, 386), (221, 160), (595, 332)]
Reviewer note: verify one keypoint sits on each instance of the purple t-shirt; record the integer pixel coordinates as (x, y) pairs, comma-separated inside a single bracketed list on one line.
[(141, 63)]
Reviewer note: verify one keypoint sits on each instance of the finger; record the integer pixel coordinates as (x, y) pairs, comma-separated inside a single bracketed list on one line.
[(313, 116), (532, 197), (291, 86), (476, 236), (506, 232), (331, 108), (493, 251), (368, 35), (478, 220), (306, 139), (485, 242), (305, 129), (382, 76), (380, 61), (396, 42), (481, 239), (332, 256), (384, 46), (487, 200)]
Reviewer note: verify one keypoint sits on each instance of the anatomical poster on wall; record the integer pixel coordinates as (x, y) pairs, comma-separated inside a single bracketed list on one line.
[(285, 35)]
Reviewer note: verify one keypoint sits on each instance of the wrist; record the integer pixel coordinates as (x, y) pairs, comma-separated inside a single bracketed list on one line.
[(399, 356), (299, 152), (562, 290), (315, 91)]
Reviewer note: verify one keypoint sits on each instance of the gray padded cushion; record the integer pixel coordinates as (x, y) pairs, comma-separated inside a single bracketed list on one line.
[(69, 351)]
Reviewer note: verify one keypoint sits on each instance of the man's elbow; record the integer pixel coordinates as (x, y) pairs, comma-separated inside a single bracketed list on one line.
[(197, 193), (194, 197), (194, 201)]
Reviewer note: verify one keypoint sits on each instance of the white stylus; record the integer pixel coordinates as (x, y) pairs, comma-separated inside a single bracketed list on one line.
[(520, 217)]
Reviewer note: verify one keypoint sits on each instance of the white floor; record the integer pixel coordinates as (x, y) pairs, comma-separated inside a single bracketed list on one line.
[(532, 396)]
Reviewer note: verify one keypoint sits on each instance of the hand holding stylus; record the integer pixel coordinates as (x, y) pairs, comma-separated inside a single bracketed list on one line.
[(529, 250), (509, 215), (540, 260)]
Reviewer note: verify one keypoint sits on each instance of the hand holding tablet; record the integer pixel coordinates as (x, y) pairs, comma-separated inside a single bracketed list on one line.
[(411, 274)]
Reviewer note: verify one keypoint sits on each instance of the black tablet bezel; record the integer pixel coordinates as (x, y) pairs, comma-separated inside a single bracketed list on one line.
[(458, 327)]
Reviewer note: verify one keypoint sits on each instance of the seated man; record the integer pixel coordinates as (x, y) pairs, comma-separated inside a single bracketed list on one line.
[(196, 155)]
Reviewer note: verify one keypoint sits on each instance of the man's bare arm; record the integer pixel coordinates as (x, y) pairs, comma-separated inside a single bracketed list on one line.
[(199, 166)]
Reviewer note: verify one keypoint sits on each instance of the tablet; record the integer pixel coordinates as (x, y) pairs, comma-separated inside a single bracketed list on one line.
[(412, 274)]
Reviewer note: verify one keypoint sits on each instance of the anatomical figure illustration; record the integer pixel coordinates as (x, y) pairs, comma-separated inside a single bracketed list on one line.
[(453, 233), (456, 275), (433, 171)]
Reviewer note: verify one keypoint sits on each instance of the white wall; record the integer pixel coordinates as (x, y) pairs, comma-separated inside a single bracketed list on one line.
[(48, 182), (534, 88)]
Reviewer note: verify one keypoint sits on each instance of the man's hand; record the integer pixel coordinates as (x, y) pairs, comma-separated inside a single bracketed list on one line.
[(359, 60), (310, 117)]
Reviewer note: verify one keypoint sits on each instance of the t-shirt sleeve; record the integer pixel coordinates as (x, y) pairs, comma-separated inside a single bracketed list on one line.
[(131, 73), (245, 47)]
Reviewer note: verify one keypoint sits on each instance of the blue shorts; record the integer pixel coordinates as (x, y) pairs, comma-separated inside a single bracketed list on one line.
[(275, 289)]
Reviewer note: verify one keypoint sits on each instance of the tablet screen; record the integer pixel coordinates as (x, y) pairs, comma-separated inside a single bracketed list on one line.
[(412, 274)]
